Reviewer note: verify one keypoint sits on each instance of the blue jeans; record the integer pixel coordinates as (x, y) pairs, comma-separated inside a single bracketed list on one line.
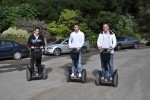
[(110, 67), (79, 65)]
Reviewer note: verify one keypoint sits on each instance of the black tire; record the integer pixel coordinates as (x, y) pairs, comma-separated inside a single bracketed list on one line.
[(98, 76), (28, 74), (136, 46), (84, 50), (17, 55), (115, 80), (118, 47), (68, 74), (83, 76), (57, 52), (44, 72)]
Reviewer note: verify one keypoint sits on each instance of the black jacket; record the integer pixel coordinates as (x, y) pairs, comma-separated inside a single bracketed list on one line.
[(32, 41)]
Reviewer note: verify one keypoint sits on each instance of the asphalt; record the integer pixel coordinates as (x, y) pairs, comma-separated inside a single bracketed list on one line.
[(133, 67)]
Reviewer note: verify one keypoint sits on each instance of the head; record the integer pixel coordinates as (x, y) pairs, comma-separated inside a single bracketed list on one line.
[(76, 27), (105, 27), (36, 30)]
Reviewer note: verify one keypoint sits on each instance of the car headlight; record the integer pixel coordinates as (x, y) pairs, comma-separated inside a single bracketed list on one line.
[(49, 47)]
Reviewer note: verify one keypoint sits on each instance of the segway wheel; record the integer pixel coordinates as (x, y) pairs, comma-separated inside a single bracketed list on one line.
[(68, 71), (98, 76), (28, 74), (83, 76), (115, 80), (44, 73)]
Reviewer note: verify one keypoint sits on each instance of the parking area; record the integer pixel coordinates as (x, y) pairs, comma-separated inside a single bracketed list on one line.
[(132, 64)]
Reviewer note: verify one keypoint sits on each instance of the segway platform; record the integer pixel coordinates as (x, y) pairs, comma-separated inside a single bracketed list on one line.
[(114, 82), (35, 75), (75, 78)]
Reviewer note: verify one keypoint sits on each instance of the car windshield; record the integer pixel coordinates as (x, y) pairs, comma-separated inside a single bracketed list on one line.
[(59, 41), (120, 38)]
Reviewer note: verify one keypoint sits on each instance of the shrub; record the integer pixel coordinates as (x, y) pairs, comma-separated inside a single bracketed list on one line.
[(120, 24), (9, 15), (29, 25), (17, 32), (14, 37)]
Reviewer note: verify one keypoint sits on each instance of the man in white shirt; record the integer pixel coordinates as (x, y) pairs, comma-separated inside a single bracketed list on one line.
[(107, 40), (76, 40)]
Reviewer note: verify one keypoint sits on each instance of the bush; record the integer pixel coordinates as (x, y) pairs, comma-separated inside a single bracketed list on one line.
[(120, 24), (14, 37), (92, 38), (29, 25), (17, 32), (9, 15)]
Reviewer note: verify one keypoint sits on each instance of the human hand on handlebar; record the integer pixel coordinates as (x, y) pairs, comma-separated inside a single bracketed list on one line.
[(32, 47), (110, 48), (78, 48), (41, 47)]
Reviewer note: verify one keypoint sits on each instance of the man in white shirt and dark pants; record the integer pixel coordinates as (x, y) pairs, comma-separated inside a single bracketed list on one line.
[(107, 40), (76, 40)]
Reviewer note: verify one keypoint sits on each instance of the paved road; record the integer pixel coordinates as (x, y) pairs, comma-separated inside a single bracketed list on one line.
[(134, 81)]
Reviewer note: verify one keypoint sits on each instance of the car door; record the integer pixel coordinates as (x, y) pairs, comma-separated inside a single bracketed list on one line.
[(65, 46), (6, 49), (130, 41)]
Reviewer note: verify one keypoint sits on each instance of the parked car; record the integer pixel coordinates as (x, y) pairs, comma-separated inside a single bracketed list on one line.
[(12, 49), (61, 46), (127, 42), (148, 43)]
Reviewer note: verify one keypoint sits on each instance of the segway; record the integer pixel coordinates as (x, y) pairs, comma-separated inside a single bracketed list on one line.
[(36, 74), (105, 56), (75, 56)]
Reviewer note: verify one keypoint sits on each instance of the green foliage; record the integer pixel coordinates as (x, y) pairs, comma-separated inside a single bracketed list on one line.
[(14, 37), (59, 30), (118, 13), (17, 32), (9, 15), (66, 21), (120, 24), (68, 17), (92, 38), (29, 25)]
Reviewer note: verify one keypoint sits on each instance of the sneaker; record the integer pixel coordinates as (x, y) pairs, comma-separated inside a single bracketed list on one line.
[(72, 75), (80, 75), (110, 78), (102, 78)]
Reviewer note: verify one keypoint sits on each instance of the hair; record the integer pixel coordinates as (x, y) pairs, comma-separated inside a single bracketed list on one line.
[(36, 28), (106, 24), (76, 24)]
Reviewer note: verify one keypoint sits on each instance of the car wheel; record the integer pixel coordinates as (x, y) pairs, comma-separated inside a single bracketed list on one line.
[(17, 55), (57, 52), (84, 50), (118, 47), (136, 46)]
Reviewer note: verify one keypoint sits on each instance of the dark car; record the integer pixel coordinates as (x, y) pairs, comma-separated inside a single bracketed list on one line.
[(12, 49), (127, 42), (148, 43)]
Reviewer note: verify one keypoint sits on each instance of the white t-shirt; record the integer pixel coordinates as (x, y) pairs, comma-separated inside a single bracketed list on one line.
[(106, 39), (76, 40)]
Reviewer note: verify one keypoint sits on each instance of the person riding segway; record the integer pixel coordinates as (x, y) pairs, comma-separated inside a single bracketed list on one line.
[(36, 44), (76, 41), (106, 43)]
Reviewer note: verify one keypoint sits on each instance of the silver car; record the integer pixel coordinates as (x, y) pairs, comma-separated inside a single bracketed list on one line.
[(61, 46)]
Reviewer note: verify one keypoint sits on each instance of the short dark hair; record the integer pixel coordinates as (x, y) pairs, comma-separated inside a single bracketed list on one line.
[(76, 24), (36, 28), (106, 24)]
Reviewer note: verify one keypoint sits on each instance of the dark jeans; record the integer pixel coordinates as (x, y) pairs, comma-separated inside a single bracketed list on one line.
[(35, 62), (107, 70)]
